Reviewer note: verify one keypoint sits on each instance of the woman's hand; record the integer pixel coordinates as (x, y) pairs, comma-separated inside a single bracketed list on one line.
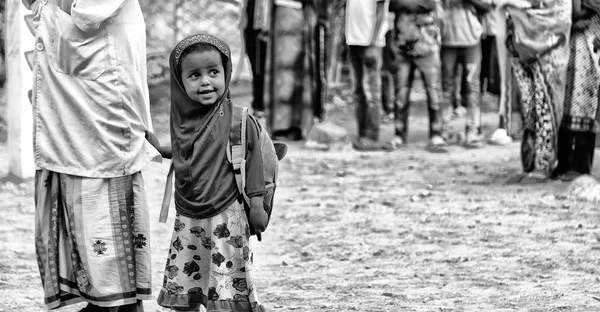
[(258, 217), (165, 151), (519, 4)]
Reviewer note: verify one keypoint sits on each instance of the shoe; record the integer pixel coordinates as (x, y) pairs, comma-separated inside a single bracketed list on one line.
[(500, 137), (569, 176), (397, 142), (459, 112), (388, 118), (315, 145), (472, 140), (437, 144), (364, 144), (533, 178)]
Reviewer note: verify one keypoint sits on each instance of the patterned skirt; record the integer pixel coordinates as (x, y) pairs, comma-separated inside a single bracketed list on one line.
[(91, 239), (541, 92), (209, 266), (583, 80)]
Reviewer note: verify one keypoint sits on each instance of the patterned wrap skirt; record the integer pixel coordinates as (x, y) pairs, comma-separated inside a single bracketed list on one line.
[(209, 267), (92, 239), (583, 80), (541, 93)]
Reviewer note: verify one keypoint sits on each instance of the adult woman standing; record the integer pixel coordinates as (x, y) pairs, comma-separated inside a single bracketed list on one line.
[(91, 112), (538, 52), (580, 120)]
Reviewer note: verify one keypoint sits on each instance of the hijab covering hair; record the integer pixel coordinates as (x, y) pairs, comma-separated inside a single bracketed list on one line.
[(199, 137)]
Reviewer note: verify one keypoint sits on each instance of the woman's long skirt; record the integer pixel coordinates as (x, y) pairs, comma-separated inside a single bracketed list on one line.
[(92, 239), (541, 92)]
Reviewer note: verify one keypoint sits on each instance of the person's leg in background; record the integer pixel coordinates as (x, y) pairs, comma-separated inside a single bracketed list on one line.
[(471, 59), (458, 105), (405, 75), (373, 64), (431, 72), (388, 78), (449, 57), (256, 48), (356, 58), (366, 64)]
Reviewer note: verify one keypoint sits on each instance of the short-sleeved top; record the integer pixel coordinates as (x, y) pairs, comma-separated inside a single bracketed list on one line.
[(360, 22), (462, 24)]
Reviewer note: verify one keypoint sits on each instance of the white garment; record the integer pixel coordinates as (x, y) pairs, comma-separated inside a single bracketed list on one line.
[(360, 22), (90, 96)]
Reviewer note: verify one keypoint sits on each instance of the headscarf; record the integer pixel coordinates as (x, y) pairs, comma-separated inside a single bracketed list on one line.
[(199, 135)]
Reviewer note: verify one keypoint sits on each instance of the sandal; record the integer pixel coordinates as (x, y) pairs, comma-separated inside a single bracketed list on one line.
[(397, 142), (533, 178), (437, 144), (368, 145)]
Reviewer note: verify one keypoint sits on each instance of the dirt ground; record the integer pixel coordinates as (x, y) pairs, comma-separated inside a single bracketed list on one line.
[(399, 231)]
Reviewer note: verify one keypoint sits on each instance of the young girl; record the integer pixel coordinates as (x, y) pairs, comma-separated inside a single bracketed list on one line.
[(209, 262)]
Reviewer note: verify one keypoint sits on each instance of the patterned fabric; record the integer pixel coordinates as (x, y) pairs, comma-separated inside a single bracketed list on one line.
[(92, 239), (540, 87), (210, 264), (418, 34), (583, 79)]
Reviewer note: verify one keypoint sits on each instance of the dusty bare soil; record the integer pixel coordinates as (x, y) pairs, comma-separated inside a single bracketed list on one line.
[(399, 231)]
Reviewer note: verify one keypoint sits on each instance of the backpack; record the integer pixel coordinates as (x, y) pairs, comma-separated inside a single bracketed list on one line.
[(271, 152)]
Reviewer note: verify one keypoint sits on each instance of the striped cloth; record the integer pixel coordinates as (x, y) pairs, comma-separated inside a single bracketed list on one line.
[(92, 239)]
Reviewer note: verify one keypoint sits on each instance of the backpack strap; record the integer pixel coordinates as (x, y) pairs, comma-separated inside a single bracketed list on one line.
[(236, 154), (164, 209)]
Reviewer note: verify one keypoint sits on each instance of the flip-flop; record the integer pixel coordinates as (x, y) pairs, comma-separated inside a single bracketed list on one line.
[(368, 145)]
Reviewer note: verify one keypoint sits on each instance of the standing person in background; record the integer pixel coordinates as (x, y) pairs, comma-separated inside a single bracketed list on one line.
[(256, 21), (577, 136), (91, 112), (389, 72), (461, 45), (296, 68), (490, 73), (366, 26), (538, 47), (418, 40)]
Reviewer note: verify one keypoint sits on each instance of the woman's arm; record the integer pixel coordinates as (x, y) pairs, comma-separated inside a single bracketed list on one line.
[(88, 15)]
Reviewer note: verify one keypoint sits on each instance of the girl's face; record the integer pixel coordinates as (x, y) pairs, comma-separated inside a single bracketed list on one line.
[(203, 76)]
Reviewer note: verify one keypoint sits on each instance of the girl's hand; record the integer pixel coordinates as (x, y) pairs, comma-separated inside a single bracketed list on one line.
[(258, 217)]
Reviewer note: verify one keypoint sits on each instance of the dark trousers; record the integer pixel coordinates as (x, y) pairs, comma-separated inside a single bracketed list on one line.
[(575, 151), (490, 68), (469, 59), (366, 64), (389, 78), (256, 48), (430, 68)]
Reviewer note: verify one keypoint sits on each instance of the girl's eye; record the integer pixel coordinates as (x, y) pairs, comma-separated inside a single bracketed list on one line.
[(214, 72)]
